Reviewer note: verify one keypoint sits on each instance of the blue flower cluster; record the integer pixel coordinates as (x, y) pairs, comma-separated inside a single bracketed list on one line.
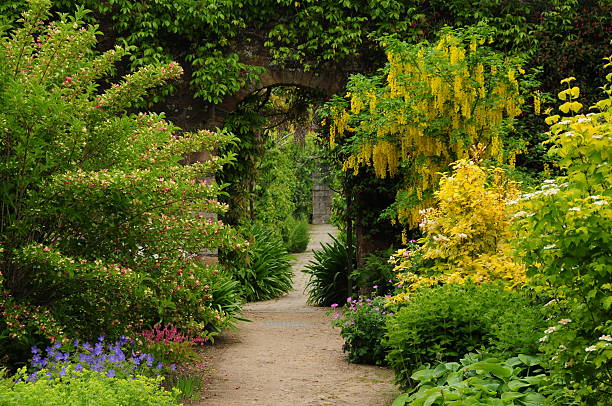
[(113, 360)]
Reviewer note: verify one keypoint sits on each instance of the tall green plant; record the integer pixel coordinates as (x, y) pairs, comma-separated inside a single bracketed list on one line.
[(566, 243), (263, 270), (329, 273), (99, 219)]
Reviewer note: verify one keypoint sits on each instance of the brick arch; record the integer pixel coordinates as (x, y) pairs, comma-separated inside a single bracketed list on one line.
[(327, 82)]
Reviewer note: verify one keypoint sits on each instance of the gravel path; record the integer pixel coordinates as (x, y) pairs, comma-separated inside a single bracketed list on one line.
[(288, 354)]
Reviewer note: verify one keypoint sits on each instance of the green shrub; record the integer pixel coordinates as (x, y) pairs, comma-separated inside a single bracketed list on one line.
[(478, 379), (362, 325), (99, 217), (88, 388), (376, 271), (264, 271), (295, 234), (444, 322), (328, 274), (565, 242)]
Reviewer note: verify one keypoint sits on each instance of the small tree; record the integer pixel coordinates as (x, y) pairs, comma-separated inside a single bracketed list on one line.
[(99, 220), (433, 102)]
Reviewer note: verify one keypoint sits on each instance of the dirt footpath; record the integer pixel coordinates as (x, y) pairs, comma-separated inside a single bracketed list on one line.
[(290, 355)]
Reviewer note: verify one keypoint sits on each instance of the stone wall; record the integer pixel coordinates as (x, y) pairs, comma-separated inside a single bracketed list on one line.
[(321, 200)]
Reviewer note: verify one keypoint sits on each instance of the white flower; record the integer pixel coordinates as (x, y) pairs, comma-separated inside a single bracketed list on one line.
[(550, 330), (596, 197), (583, 120), (570, 134), (565, 321), (462, 235), (605, 338), (551, 246), (600, 202), (519, 214), (155, 256), (545, 338), (574, 209), (562, 347), (550, 192), (597, 137), (553, 181), (551, 302), (591, 348), (511, 202), (530, 215), (565, 122)]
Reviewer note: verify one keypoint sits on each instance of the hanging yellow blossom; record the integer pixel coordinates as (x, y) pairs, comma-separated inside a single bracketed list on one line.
[(435, 103)]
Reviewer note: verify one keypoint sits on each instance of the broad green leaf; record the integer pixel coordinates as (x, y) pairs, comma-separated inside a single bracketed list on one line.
[(517, 384), (533, 399), (400, 400), (510, 396), (529, 360), (494, 369)]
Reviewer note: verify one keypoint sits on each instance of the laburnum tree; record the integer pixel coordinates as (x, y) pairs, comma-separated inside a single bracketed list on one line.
[(428, 107), (100, 220)]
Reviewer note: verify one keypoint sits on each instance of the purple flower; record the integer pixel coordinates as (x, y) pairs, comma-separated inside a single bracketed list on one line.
[(110, 373), (35, 350), (98, 349), (349, 299), (62, 372), (336, 316), (78, 368), (173, 367), (159, 365), (375, 287), (333, 306), (101, 338)]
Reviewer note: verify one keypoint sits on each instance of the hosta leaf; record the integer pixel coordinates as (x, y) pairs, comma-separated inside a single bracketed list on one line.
[(510, 396), (533, 399), (529, 360)]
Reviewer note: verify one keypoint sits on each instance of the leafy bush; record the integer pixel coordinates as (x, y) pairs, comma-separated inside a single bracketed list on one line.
[(88, 388), (328, 273), (444, 322), (566, 244), (168, 345), (362, 325), (295, 234), (264, 271), (467, 234), (376, 271), (99, 218), (478, 379)]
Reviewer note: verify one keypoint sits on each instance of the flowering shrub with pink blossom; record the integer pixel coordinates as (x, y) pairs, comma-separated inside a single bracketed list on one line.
[(100, 219)]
